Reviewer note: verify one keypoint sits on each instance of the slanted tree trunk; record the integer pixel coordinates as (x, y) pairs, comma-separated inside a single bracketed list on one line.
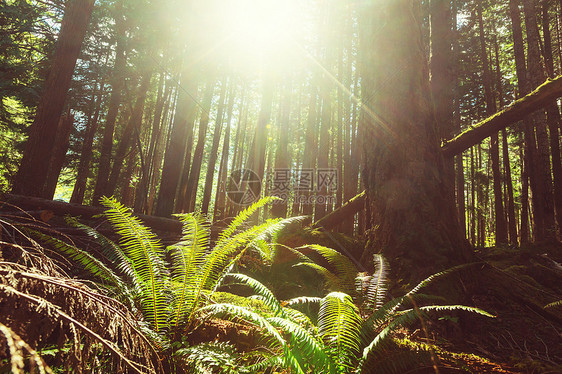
[(413, 217), (33, 171)]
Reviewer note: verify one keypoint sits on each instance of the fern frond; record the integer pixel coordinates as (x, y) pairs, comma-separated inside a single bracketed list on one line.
[(241, 218), (333, 282), (306, 344), (302, 300), (378, 284), (109, 249), (345, 269), (388, 358), (188, 256), (554, 304), (407, 317), (267, 296), (236, 312), (146, 254), (88, 262), (339, 325)]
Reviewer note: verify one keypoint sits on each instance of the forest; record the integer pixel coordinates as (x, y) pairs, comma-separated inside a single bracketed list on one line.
[(297, 186)]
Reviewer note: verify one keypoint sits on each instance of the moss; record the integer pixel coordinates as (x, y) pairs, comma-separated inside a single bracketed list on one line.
[(229, 298)]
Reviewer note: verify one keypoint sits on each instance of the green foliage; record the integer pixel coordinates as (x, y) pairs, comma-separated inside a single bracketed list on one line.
[(168, 295), (343, 338)]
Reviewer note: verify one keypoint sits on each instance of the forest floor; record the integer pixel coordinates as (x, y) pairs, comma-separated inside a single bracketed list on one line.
[(515, 285)]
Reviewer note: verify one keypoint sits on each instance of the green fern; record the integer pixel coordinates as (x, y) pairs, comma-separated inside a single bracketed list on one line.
[(146, 253)]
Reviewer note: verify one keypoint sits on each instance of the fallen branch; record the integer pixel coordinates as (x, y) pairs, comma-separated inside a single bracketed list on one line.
[(60, 208), (542, 96), (346, 211)]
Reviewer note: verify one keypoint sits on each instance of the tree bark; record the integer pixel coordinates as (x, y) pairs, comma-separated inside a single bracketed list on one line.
[(86, 151), (213, 155), (189, 198), (173, 158), (32, 174), (117, 83), (59, 154), (133, 124), (543, 199), (413, 219)]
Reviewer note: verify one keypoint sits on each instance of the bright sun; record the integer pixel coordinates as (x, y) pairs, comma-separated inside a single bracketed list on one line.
[(253, 31)]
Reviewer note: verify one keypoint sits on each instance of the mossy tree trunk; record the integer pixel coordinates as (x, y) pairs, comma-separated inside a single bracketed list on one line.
[(412, 214)]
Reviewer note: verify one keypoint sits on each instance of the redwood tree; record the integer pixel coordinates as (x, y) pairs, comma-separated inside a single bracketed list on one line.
[(412, 213), (32, 174)]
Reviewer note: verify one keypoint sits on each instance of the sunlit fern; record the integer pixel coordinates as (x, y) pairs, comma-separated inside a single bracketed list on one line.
[(168, 295), (344, 340)]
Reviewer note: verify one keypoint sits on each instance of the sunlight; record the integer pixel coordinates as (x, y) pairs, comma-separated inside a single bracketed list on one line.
[(246, 32)]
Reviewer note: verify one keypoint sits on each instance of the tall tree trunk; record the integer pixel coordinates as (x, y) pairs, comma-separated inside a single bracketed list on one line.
[(59, 153), (213, 155), (256, 158), (500, 224), (117, 82), (309, 158), (160, 148), (132, 129), (32, 174), (281, 173), (553, 116), (173, 159), (413, 218), (441, 75), (189, 198), (141, 195), (543, 199), (220, 196), (86, 151), (524, 233)]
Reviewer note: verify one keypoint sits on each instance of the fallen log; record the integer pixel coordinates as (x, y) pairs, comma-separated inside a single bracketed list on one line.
[(60, 208), (346, 211), (516, 111)]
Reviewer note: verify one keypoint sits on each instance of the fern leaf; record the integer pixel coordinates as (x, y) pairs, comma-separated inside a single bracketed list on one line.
[(86, 260), (345, 269), (307, 345), (339, 325), (188, 256), (241, 218), (378, 284), (554, 304), (146, 253), (110, 250), (267, 296)]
